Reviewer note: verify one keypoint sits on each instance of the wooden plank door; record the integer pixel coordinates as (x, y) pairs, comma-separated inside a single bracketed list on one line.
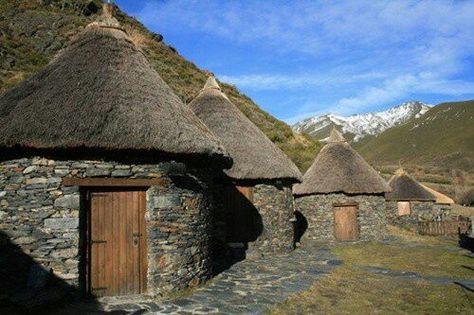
[(117, 242), (403, 208), (346, 226)]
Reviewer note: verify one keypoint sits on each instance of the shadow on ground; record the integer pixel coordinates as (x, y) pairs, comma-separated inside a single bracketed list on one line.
[(26, 287)]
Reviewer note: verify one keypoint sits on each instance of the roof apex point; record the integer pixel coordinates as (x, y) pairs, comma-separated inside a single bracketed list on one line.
[(336, 136), (211, 83), (400, 172), (107, 19)]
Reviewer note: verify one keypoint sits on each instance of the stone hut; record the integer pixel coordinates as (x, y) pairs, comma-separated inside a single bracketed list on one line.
[(341, 197), (255, 203), (103, 173), (409, 202)]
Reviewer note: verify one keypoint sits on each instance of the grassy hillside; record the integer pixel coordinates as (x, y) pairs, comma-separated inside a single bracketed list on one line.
[(443, 137), (32, 32)]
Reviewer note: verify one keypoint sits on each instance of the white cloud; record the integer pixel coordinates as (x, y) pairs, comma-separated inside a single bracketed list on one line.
[(296, 81), (390, 49)]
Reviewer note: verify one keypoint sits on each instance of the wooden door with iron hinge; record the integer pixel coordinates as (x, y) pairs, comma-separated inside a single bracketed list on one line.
[(117, 242), (346, 226)]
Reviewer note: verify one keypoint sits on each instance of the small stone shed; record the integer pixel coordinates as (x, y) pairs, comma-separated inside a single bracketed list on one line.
[(410, 202), (255, 203), (341, 197), (103, 173)]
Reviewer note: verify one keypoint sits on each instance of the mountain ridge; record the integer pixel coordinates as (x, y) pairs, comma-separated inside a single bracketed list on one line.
[(443, 137), (359, 126)]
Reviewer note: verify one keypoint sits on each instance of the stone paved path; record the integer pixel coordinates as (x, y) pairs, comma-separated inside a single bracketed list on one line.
[(248, 287)]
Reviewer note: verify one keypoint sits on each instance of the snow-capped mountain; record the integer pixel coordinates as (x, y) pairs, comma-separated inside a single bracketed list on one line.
[(360, 125)]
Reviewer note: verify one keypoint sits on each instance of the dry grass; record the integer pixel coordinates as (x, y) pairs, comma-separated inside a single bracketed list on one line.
[(436, 261), (140, 39), (410, 237), (351, 291)]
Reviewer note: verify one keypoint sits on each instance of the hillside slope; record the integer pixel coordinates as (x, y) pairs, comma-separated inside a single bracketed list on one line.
[(442, 137), (32, 32)]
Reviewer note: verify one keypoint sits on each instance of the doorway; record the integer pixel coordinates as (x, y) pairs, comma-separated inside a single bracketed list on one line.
[(346, 226), (117, 242)]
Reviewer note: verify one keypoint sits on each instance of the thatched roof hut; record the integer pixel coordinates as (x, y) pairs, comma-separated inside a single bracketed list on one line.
[(254, 155), (101, 93), (440, 198), (255, 194), (341, 197), (98, 135), (339, 168), (406, 188)]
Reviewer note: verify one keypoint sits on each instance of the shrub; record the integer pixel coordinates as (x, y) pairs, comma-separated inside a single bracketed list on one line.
[(466, 198)]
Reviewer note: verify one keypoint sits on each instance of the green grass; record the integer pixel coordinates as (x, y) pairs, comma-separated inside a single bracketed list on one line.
[(434, 261), (443, 137), (352, 290)]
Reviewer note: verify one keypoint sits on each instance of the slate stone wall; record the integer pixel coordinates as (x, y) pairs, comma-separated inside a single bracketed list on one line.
[(268, 225), (275, 205), (420, 211), (318, 213), (44, 218), (179, 229)]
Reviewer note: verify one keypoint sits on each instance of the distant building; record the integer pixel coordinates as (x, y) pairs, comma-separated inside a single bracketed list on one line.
[(255, 203), (410, 202), (104, 173), (341, 197)]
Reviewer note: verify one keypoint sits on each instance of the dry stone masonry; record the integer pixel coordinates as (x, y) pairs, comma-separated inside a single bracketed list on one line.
[(44, 218), (318, 210), (275, 205), (268, 222), (420, 211)]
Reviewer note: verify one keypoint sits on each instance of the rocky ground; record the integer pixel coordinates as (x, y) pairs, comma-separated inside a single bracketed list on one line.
[(248, 287)]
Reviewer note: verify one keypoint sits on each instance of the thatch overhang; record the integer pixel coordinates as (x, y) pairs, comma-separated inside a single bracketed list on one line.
[(338, 168), (406, 188), (440, 197), (101, 93), (255, 156)]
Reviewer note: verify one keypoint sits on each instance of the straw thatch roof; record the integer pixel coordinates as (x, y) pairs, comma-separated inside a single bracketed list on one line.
[(101, 93), (440, 198), (406, 188), (339, 168), (254, 155)]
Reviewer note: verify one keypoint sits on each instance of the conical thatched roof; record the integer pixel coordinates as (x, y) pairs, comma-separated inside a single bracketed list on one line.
[(406, 188), (101, 93), (254, 155), (440, 198), (339, 168)]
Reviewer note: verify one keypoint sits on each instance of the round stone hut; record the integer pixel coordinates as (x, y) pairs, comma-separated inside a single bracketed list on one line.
[(341, 197), (103, 174), (254, 199), (409, 202)]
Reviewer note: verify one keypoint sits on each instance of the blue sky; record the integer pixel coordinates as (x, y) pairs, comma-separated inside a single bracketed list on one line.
[(301, 58)]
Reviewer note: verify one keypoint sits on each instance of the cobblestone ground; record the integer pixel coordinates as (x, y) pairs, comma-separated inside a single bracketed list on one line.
[(248, 287)]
